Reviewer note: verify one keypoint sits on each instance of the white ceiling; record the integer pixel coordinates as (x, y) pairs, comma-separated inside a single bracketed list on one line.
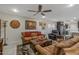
[(58, 10)]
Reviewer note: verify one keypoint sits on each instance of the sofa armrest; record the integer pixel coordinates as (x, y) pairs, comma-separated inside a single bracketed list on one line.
[(33, 42), (68, 43), (41, 50), (43, 43)]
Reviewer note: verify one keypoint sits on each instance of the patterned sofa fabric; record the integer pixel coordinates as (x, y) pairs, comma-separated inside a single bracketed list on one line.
[(31, 33), (27, 36)]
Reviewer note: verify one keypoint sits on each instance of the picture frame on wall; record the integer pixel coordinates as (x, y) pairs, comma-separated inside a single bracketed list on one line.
[(42, 24), (29, 24)]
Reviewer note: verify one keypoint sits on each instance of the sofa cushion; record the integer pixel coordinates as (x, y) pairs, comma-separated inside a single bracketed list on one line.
[(27, 38), (51, 49), (32, 33), (26, 34)]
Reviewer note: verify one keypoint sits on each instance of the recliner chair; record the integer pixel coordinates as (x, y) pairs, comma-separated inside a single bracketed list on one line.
[(53, 35)]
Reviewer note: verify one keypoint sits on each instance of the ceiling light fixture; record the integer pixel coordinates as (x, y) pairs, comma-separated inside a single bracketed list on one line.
[(70, 5), (71, 20), (15, 10), (75, 17), (43, 16)]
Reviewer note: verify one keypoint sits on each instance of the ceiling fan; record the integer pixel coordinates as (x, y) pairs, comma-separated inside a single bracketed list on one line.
[(42, 12)]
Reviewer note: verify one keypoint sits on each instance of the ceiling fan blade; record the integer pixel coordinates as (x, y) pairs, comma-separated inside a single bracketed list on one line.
[(47, 10), (36, 13), (32, 11), (39, 8), (42, 14)]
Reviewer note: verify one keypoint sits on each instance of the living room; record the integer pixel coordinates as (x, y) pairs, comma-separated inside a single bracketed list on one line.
[(37, 19)]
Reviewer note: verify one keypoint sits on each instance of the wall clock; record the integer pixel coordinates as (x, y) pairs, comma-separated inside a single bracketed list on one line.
[(15, 24)]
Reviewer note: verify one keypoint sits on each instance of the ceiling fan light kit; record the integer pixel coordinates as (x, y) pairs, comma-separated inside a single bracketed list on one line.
[(42, 12)]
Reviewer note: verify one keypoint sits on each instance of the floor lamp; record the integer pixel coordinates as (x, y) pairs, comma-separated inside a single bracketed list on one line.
[(5, 44)]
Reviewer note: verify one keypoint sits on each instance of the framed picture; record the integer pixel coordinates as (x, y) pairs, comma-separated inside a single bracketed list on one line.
[(42, 24), (30, 24)]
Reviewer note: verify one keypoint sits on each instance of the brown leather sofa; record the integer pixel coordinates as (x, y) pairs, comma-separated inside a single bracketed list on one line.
[(57, 48)]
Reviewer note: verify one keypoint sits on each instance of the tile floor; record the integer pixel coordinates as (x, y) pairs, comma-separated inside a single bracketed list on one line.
[(11, 49)]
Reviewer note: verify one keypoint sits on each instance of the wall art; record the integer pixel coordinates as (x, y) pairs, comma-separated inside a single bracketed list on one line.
[(15, 24), (29, 24)]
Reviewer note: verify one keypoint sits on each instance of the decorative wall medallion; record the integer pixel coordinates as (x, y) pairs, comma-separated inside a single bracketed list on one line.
[(30, 24), (15, 24), (42, 24)]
